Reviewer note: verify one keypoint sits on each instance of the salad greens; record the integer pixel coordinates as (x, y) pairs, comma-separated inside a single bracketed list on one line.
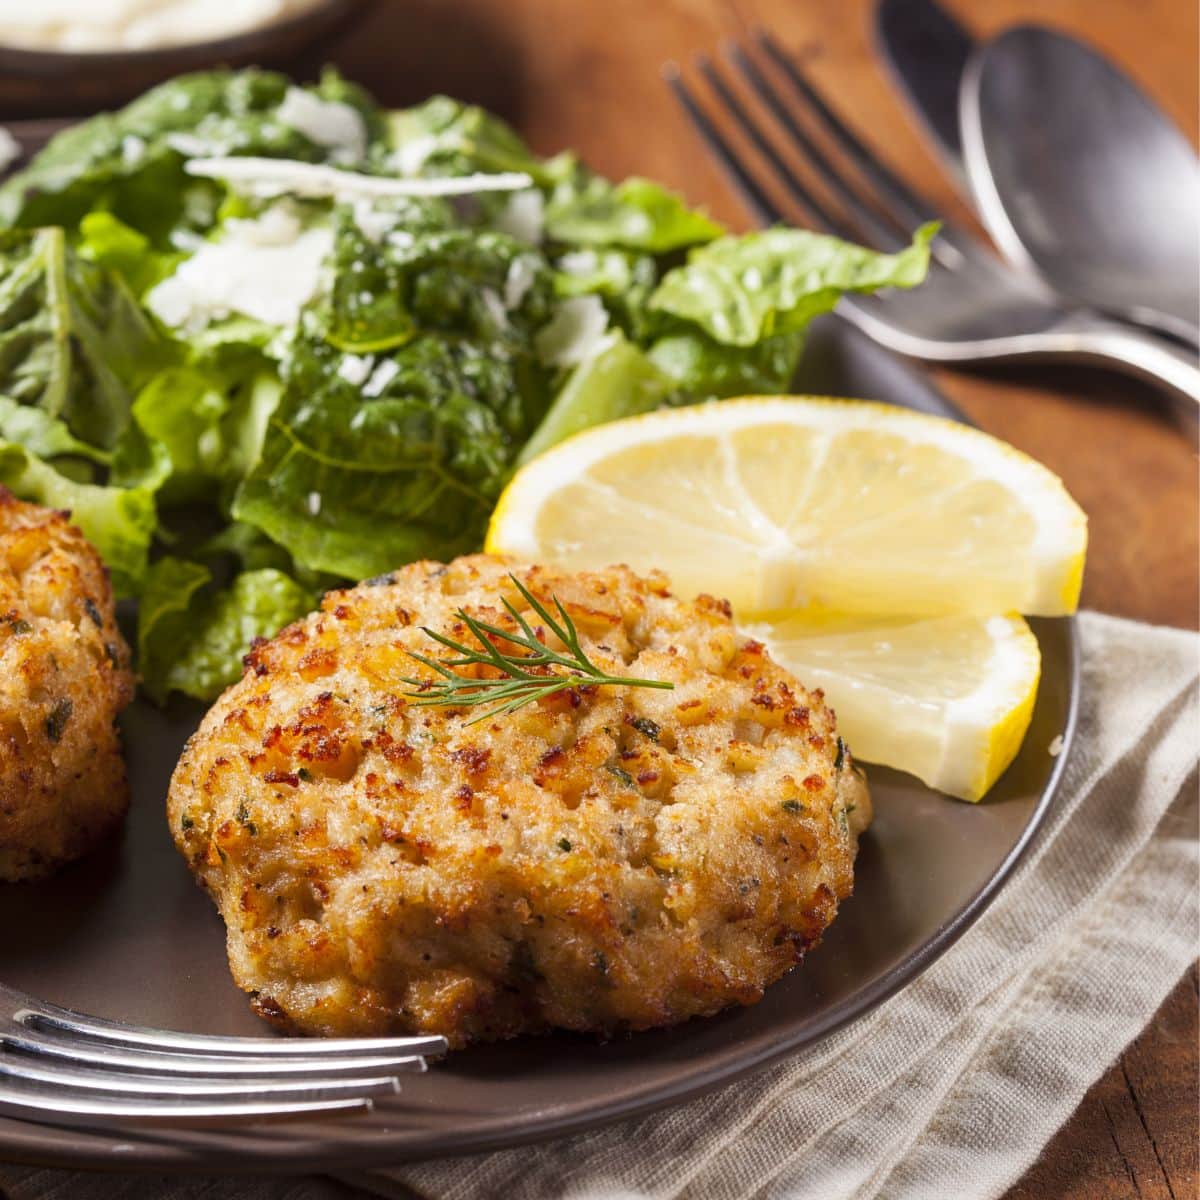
[(247, 394)]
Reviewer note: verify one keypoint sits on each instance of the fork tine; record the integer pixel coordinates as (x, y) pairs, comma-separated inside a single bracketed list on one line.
[(55, 1108), (168, 1039), (760, 204), (752, 130), (156, 1062), (890, 237), (51, 1018), (907, 207), (168, 1087)]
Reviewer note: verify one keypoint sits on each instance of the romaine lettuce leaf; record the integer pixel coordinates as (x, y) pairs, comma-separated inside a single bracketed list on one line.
[(108, 242), (192, 638), (618, 382), (446, 137), (130, 163), (742, 290), (210, 425), (432, 279), (408, 393), (703, 369), (250, 550), (44, 436), (636, 213), (355, 479), (73, 340), (119, 522)]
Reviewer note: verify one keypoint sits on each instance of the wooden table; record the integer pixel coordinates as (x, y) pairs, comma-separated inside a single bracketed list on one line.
[(585, 74)]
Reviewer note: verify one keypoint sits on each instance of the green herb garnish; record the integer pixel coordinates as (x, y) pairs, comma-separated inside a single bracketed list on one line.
[(524, 677), (243, 819), (56, 722), (646, 726)]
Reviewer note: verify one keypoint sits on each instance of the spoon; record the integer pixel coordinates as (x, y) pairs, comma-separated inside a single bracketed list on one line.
[(1081, 177)]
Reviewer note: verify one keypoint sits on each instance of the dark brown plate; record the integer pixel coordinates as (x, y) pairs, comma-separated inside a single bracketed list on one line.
[(128, 935)]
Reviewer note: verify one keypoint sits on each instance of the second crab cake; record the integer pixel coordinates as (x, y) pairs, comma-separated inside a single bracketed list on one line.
[(609, 858), (64, 677)]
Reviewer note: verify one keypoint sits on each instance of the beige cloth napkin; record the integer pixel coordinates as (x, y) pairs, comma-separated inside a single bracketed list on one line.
[(953, 1087)]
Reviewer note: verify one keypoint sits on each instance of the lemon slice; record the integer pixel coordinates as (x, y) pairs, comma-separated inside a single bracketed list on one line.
[(947, 699), (787, 502)]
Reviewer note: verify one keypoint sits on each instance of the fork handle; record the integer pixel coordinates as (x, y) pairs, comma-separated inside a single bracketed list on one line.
[(1144, 354)]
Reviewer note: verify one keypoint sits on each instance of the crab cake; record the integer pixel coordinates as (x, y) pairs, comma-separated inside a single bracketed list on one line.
[(606, 859), (64, 677)]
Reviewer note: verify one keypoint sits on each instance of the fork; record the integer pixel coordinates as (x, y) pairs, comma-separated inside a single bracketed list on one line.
[(62, 1067), (972, 308)]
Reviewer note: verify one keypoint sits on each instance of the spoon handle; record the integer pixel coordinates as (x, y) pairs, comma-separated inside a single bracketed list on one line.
[(1145, 355)]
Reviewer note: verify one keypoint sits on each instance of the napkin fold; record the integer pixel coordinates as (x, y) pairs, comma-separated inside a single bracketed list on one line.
[(952, 1087)]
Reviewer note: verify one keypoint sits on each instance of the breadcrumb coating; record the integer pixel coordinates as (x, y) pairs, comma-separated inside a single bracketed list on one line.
[(606, 859), (64, 677)]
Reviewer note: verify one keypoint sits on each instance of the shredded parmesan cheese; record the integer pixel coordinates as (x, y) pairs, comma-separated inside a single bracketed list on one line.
[(336, 126), (276, 176), (576, 332)]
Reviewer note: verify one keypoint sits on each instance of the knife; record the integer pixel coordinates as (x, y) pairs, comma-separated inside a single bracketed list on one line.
[(926, 49)]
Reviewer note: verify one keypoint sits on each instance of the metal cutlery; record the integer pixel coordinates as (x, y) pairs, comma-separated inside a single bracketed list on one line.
[(62, 1067), (1077, 173), (972, 308), (927, 49)]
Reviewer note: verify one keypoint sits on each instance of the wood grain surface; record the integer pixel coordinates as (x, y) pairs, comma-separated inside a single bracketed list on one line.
[(585, 74)]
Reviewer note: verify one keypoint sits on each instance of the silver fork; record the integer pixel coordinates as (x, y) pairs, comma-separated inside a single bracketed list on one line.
[(972, 308), (62, 1067)]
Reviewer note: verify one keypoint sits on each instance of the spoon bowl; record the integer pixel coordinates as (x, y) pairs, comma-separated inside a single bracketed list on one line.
[(1078, 174)]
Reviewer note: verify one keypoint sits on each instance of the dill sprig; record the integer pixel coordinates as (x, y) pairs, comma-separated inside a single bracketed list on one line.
[(526, 676)]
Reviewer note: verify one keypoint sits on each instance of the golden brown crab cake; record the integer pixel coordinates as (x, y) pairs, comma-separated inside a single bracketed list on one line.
[(64, 677), (610, 858)]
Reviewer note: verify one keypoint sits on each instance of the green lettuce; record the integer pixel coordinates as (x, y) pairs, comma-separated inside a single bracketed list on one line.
[(192, 637), (198, 432), (356, 484), (743, 290), (45, 436), (704, 369), (636, 214), (408, 393), (618, 382), (446, 137), (73, 340), (130, 163), (109, 243)]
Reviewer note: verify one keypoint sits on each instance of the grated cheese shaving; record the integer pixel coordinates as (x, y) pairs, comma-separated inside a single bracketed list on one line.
[(276, 176)]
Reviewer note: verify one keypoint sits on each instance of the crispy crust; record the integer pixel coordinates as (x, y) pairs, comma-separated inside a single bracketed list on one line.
[(607, 859), (64, 677)]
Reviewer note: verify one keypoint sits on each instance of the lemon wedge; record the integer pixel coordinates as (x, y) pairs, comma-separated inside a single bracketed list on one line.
[(947, 699), (791, 502)]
